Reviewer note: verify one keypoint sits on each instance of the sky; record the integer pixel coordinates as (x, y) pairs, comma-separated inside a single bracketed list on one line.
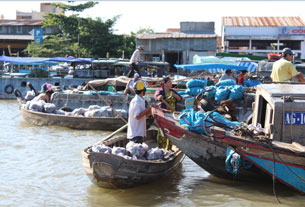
[(160, 15)]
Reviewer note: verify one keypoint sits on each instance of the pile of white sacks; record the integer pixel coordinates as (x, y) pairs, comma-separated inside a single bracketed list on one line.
[(133, 151), (91, 111)]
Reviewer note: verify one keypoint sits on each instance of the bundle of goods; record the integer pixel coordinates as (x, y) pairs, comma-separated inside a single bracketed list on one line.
[(200, 122), (91, 111), (132, 151), (223, 90), (194, 87)]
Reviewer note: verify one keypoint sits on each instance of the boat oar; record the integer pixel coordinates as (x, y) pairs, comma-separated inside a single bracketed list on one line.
[(112, 134), (167, 104), (109, 104)]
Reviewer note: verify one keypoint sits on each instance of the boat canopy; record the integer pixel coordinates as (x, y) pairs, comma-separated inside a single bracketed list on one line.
[(72, 59), (50, 61), (217, 65), (26, 60)]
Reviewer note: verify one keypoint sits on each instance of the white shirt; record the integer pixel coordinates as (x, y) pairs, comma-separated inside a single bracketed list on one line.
[(136, 127), (135, 57)]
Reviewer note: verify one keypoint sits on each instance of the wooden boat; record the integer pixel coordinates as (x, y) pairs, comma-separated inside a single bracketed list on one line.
[(74, 122), (283, 160), (203, 150), (113, 171)]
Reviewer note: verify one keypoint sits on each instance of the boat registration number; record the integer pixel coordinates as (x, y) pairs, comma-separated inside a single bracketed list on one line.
[(294, 118)]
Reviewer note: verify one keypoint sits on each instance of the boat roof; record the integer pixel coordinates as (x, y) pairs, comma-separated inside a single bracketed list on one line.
[(37, 60), (279, 90)]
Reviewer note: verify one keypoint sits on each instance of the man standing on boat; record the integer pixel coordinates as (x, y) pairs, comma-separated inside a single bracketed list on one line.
[(137, 114), (134, 62), (284, 70)]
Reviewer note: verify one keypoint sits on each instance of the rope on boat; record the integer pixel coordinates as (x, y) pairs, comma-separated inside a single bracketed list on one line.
[(273, 175)]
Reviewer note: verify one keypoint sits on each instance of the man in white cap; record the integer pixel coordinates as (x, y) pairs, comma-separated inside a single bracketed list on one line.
[(137, 114), (134, 62), (284, 70), (129, 87)]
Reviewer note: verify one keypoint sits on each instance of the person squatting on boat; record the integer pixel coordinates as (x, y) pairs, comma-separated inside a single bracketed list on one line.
[(137, 114), (284, 70), (46, 92), (134, 62), (167, 98), (129, 87)]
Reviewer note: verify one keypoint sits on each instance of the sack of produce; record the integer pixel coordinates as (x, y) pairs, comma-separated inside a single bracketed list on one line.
[(79, 111), (120, 151), (138, 150), (93, 107), (155, 154), (29, 95), (37, 105), (101, 148), (49, 108)]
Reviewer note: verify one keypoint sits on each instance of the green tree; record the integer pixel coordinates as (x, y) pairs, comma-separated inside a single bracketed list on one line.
[(78, 36)]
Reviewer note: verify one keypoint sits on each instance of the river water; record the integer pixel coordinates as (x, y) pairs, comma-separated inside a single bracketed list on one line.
[(42, 166)]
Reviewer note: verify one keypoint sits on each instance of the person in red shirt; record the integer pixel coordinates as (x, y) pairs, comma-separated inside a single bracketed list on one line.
[(241, 77)]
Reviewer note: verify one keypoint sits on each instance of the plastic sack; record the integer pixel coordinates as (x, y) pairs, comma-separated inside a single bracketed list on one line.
[(120, 151), (234, 162), (60, 112), (79, 112), (37, 105), (136, 149), (49, 108), (228, 82), (222, 93), (195, 83), (93, 107), (197, 121), (251, 83), (236, 92), (101, 148), (194, 91), (29, 95), (210, 94), (155, 154)]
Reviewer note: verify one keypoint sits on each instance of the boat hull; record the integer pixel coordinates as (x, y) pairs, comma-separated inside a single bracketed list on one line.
[(283, 160), (203, 150), (46, 119), (113, 171)]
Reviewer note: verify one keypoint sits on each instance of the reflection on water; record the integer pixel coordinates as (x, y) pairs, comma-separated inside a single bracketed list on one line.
[(42, 166)]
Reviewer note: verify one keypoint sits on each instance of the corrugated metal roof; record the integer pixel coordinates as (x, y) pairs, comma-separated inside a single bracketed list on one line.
[(262, 21), (19, 22), (175, 35)]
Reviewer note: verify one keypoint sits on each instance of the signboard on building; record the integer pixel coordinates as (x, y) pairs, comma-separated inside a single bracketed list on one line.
[(288, 30), (38, 36)]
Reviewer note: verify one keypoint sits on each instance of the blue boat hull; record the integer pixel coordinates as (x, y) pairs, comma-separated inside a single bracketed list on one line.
[(291, 175)]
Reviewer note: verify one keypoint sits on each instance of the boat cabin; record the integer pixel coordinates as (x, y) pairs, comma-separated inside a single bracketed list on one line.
[(280, 109)]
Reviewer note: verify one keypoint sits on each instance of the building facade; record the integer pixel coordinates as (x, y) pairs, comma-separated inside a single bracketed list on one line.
[(15, 35), (262, 35), (178, 46), (34, 15)]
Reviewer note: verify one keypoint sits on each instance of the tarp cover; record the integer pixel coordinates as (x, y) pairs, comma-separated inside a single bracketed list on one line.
[(217, 65), (26, 60), (29, 60)]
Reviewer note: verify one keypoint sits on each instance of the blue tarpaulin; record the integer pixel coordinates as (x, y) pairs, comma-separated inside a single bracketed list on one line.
[(211, 67), (25, 60), (29, 60), (218, 65)]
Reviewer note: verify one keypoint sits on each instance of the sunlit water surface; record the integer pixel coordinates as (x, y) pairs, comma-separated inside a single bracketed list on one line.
[(42, 166)]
